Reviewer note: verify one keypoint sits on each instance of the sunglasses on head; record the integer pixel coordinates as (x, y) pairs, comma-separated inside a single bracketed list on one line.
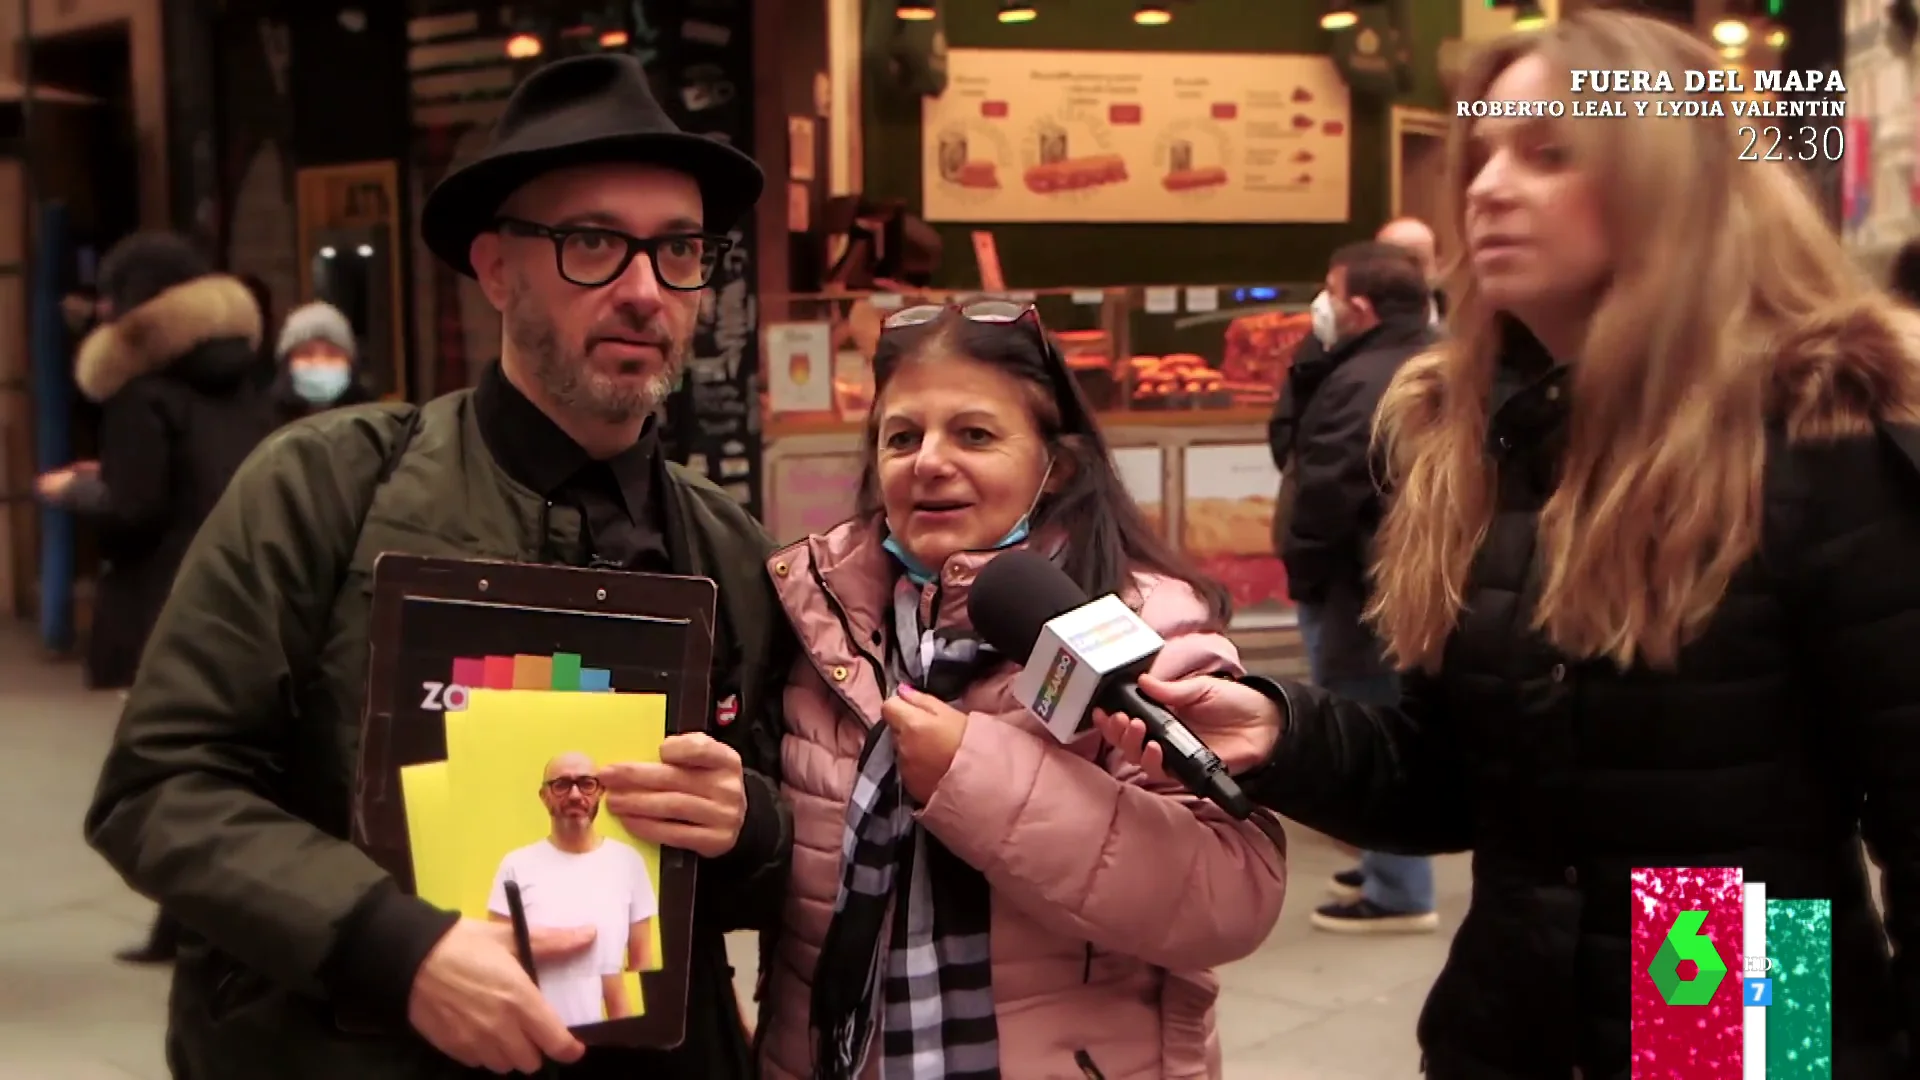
[(986, 311), (1075, 413)]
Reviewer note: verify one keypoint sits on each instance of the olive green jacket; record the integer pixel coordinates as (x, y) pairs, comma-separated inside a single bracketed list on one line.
[(227, 795)]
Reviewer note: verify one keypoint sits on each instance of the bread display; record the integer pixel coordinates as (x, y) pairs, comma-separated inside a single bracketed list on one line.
[(1176, 381), (1213, 528), (1189, 179), (1074, 174), (1258, 350), (977, 174)]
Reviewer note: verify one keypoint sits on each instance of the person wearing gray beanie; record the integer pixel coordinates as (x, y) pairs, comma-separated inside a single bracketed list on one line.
[(319, 362)]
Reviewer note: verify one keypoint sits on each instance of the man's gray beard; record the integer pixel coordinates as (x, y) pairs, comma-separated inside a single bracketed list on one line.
[(571, 383)]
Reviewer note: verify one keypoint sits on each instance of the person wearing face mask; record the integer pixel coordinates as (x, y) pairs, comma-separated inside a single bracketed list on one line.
[(319, 363), (1375, 315), (1052, 885)]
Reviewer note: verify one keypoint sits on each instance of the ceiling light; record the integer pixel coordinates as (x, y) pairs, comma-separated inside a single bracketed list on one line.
[(613, 39), (1012, 11), (1339, 16), (1152, 15), (523, 46), (912, 12), (1732, 33), (1777, 39)]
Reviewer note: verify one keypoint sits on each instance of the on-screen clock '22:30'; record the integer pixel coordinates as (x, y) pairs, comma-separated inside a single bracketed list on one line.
[(1809, 142)]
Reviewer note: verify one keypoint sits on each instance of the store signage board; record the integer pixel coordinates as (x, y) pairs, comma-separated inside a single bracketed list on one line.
[(1226, 520), (799, 359), (1028, 135), (811, 493)]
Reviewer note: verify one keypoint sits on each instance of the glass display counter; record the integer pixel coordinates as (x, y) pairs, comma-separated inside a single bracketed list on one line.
[(1184, 380)]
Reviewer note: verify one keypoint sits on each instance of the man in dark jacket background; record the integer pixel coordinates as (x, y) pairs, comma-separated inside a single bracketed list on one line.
[(1381, 310), (228, 792), (1411, 235)]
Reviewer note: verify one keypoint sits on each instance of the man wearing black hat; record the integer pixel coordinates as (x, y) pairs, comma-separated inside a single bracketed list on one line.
[(592, 223)]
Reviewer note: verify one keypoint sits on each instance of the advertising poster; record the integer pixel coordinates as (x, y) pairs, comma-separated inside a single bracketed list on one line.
[(1040, 136), (799, 359), (1226, 523), (811, 493)]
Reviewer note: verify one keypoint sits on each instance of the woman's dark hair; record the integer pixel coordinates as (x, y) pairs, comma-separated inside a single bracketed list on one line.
[(1108, 539), (1905, 282)]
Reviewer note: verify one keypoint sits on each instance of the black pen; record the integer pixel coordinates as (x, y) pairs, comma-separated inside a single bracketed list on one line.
[(523, 946)]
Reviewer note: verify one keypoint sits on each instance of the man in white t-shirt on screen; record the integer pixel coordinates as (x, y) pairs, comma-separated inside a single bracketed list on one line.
[(576, 877)]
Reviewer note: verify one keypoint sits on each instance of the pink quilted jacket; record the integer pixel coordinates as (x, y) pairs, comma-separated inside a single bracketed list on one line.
[(1111, 902)]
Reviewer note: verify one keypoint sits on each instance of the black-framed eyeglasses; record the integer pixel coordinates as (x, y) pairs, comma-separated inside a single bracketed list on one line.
[(593, 257), (585, 785)]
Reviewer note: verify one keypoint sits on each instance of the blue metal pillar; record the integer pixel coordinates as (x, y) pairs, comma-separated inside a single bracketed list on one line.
[(52, 382)]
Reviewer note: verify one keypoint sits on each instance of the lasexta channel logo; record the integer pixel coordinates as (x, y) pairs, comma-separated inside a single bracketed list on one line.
[(1685, 943)]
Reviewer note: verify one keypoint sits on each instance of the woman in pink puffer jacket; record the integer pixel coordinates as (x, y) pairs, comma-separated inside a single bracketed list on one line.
[(971, 897)]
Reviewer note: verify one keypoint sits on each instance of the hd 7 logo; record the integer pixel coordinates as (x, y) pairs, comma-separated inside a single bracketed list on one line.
[(1685, 942)]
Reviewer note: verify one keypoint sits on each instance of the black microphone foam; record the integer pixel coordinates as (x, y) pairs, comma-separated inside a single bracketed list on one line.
[(1015, 596)]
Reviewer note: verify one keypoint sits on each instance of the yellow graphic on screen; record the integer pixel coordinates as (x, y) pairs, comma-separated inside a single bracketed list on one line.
[(484, 812)]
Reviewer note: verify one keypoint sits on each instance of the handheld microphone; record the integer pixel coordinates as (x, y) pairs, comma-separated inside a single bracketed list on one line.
[(1082, 654)]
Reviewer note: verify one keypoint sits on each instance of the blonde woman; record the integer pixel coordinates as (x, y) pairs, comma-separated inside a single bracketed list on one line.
[(1653, 567)]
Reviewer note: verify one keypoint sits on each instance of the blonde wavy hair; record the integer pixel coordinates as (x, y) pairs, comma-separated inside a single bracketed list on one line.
[(1658, 504)]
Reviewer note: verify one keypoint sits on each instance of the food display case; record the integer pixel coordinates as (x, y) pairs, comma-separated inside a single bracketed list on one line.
[(1184, 379)]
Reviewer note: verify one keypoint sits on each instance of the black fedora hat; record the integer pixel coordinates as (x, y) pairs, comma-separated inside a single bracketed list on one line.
[(581, 111)]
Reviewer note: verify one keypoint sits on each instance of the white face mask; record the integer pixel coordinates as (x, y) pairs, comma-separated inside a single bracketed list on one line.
[(1324, 325)]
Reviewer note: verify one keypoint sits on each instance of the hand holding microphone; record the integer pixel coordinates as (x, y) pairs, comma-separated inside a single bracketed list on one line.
[(1084, 653), (1238, 722)]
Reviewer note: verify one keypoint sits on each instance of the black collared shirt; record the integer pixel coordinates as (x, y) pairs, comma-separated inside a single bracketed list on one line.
[(618, 498)]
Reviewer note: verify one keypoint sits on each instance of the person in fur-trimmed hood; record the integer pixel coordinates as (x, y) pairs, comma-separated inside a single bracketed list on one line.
[(319, 363), (170, 366)]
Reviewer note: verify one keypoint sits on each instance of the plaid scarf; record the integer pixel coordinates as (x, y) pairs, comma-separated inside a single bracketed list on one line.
[(934, 977)]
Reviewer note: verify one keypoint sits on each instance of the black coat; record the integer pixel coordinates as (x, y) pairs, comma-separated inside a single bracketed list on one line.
[(179, 412), (1788, 731), (1327, 544)]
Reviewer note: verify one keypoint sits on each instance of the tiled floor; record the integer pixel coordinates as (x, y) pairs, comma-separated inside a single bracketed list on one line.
[(1307, 1006)]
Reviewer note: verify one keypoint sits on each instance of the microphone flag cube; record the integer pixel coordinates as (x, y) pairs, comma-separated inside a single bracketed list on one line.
[(1074, 655)]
